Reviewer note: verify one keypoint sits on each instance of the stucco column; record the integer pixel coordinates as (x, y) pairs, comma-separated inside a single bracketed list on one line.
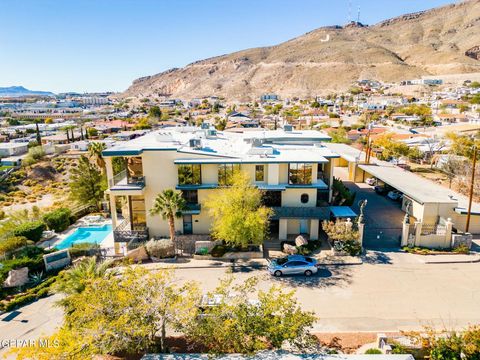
[(314, 229), (330, 184), (418, 232), (113, 210), (109, 168), (273, 174), (448, 232), (282, 229), (405, 234)]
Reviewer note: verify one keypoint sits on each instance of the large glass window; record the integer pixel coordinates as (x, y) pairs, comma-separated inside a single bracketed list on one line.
[(137, 212), (190, 196), (272, 198), (259, 172), (225, 173), (190, 174), (300, 174)]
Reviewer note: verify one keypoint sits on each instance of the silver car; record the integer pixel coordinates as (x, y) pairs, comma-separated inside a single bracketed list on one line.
[(293, 264)]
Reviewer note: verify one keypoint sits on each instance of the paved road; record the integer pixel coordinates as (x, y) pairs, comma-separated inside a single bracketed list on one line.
[(391, 291), (30, 322)]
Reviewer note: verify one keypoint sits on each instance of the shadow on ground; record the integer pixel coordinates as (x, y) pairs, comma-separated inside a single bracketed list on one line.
[(325, 277), (377, 257)]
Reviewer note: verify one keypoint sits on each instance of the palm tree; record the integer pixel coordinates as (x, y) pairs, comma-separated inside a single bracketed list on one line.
[(170, 204), (76, 279), (95, 152)]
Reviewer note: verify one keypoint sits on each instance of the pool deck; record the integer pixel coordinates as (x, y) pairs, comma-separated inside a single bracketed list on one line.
[(106, 243)]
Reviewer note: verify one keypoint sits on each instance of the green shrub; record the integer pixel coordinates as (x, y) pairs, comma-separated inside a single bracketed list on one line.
[(373, 352), (218, 251), (20, 301), (58, 220), (32, 230), (83, 249), (13, 243), (30, 256)]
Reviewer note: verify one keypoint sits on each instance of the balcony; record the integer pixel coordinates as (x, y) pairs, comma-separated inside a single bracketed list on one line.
[(124, 182), (125, 233), (192, 209)]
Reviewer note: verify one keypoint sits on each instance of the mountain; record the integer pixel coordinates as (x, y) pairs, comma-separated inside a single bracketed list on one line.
[(444, 40), (19, 91)]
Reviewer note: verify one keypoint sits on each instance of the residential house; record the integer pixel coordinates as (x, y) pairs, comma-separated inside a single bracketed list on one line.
[(292, 167)]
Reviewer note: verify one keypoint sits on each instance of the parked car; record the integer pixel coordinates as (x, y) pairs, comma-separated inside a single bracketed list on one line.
[(382, 189), (371, 181), (293, 264), (395, 195)]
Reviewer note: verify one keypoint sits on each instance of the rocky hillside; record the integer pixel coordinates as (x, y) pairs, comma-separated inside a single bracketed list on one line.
[(444, 40)]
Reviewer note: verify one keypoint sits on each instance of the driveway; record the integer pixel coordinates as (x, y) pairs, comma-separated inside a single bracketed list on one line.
[(383, 217)]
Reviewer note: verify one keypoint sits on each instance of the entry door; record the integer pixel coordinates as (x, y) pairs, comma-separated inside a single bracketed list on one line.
[(187, 224), (303, 226)]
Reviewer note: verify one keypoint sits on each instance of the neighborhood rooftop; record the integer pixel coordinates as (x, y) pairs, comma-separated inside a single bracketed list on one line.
[(225, 147)]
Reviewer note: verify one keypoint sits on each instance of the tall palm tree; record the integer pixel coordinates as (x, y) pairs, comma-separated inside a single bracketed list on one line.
[(95, 152), (169, 204)]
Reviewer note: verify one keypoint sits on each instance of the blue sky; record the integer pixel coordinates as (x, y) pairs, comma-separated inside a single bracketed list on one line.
[(101, 45)]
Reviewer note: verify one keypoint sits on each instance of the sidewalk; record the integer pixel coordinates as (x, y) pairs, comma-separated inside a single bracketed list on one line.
[(189, 263), (449, 259)]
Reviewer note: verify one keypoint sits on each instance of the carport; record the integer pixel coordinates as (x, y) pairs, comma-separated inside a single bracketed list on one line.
[(428, 201)]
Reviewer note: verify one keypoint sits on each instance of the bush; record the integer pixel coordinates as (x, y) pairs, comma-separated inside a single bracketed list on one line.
[(83, 249), (218, 251), (32, 230), (373, 352), (31, 257), (58, 220), (13, 243), (162, 248), (20, 301)]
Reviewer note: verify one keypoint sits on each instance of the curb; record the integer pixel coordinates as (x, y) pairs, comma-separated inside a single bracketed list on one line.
[(453, 262)]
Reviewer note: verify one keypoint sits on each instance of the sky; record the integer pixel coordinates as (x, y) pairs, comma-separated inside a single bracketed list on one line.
[(103, 45)]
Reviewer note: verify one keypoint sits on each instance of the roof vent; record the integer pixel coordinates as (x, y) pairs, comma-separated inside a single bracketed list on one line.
[(257, 142), (195, 143)]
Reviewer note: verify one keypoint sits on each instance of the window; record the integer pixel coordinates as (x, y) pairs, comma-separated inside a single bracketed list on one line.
[(190, 196), (299, 174), (189, 174), (138, 214), (304, 198), (272, 198), (259, 172), (225, 173)]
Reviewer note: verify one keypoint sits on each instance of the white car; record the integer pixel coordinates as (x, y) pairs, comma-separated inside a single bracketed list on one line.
[(293, 264), (371, 181)]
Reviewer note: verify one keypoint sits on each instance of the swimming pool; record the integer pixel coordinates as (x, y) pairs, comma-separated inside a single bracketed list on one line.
[(90, 234)]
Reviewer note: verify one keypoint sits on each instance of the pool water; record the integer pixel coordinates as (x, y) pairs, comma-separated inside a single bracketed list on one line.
[(90, 234)]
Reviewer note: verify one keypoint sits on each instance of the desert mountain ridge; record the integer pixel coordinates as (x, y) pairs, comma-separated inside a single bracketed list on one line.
[(444, 40)]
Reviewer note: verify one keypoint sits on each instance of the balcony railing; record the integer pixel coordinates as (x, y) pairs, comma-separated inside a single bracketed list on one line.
[(124, 233), (122, 180)]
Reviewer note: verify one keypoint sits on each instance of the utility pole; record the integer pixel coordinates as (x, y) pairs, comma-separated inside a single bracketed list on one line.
[(472, 182)]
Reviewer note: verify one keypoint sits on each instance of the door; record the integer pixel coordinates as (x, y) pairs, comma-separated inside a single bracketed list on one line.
[(303, 226), (187, 225)]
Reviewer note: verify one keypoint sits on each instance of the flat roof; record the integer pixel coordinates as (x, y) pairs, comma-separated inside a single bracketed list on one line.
[(220, 147), (343, 212), (347, 152), (416, 187)]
